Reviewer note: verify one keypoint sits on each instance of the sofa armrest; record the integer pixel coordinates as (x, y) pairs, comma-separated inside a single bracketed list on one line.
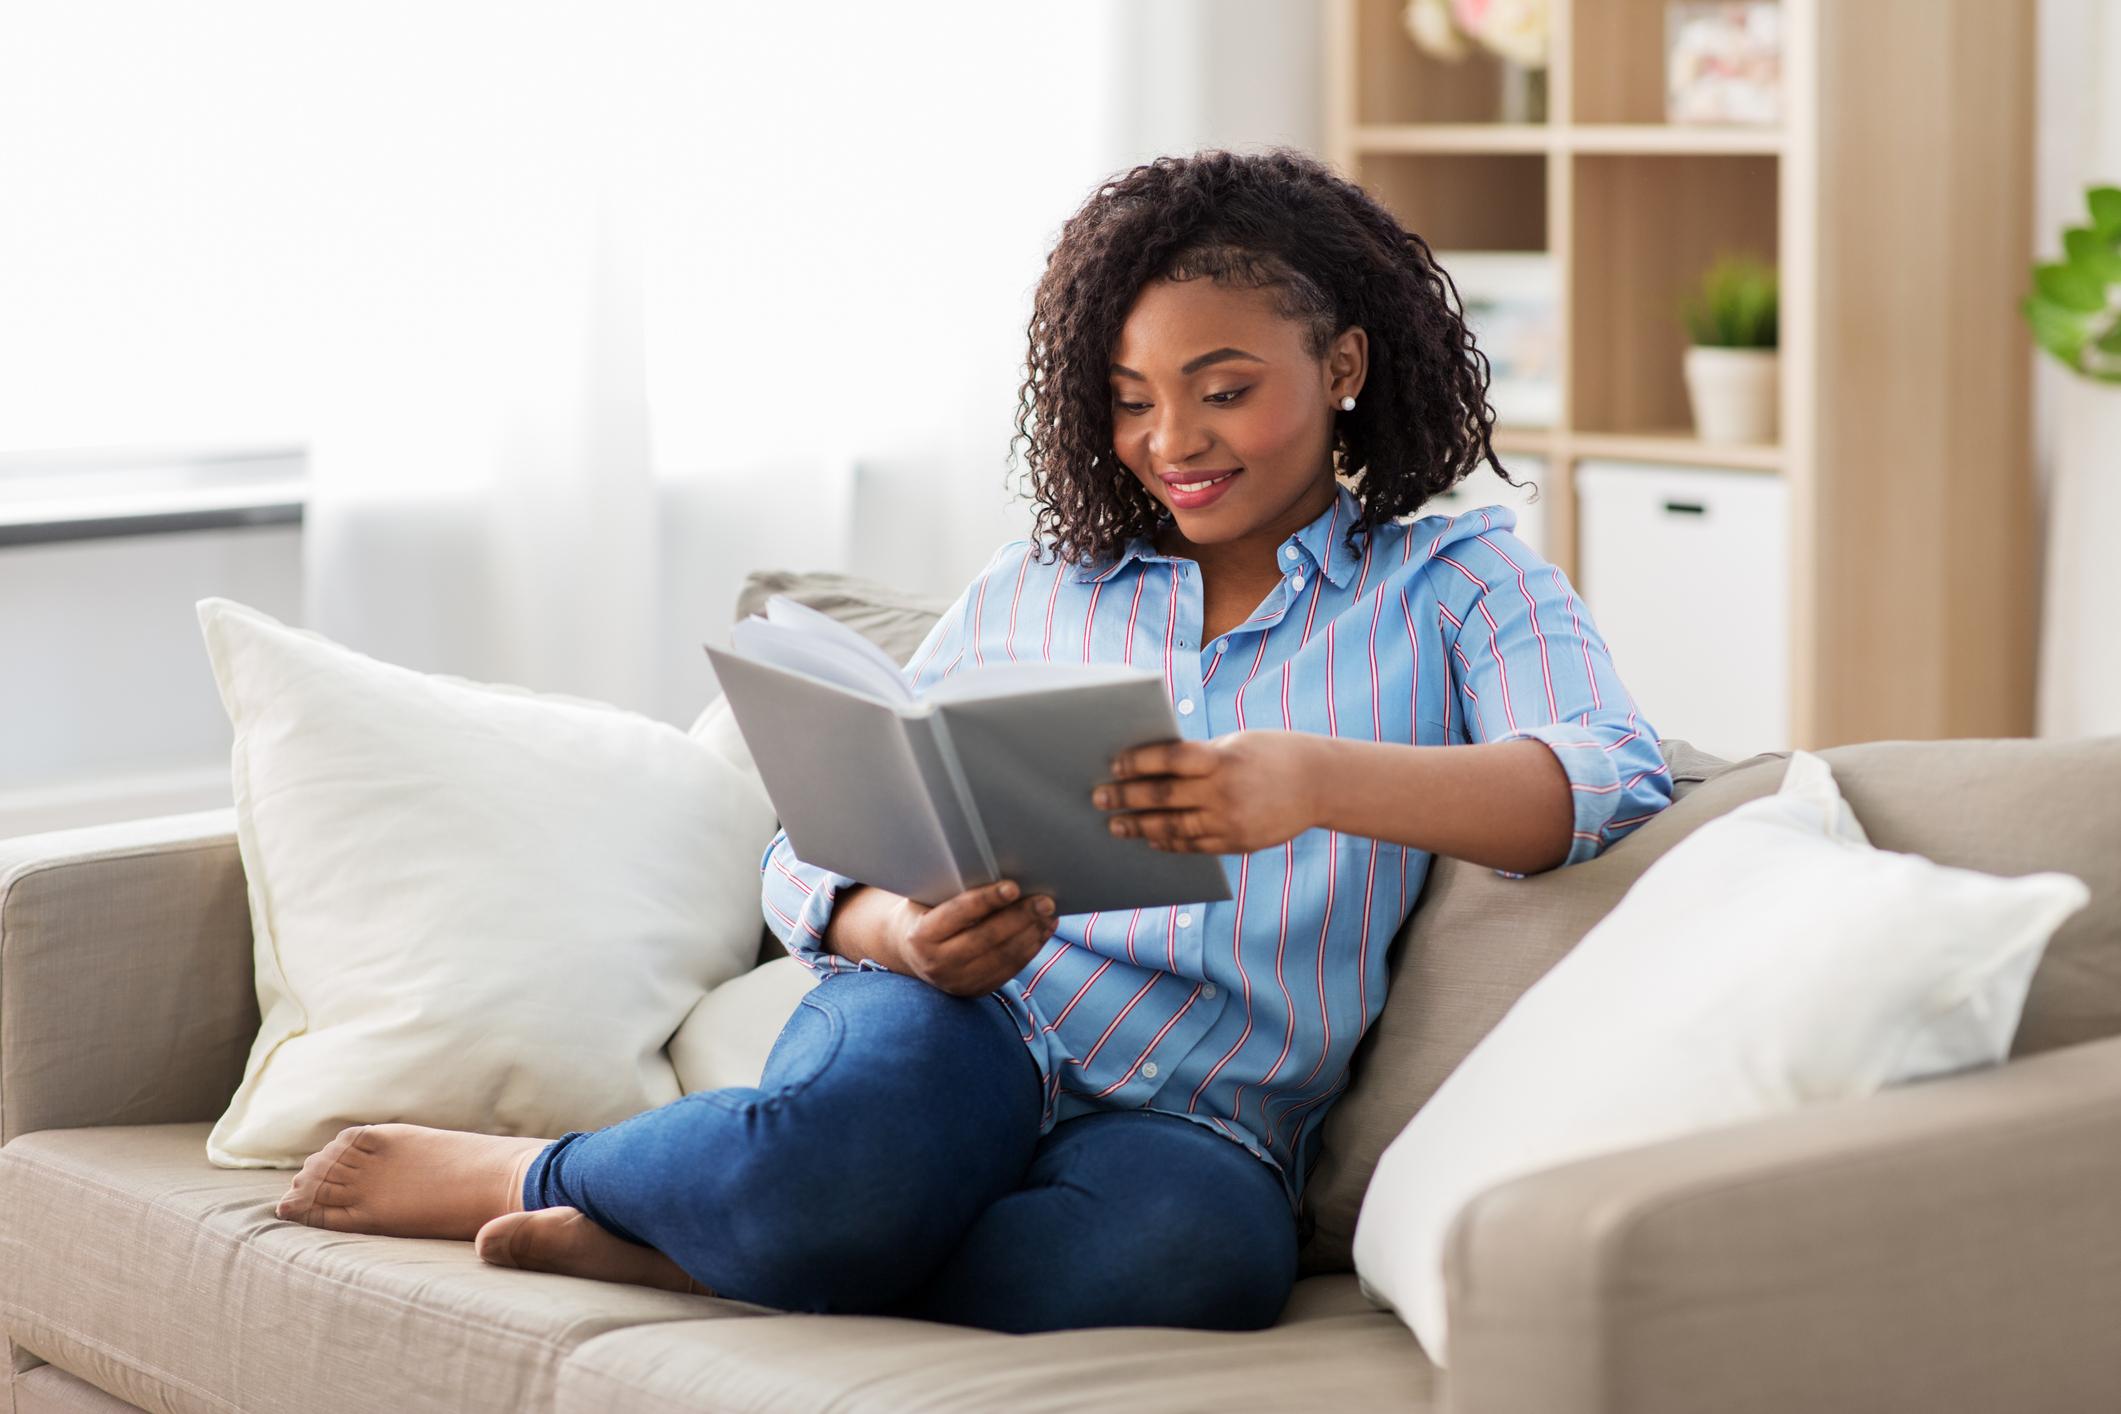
[(126, 990), (1952, 1245)]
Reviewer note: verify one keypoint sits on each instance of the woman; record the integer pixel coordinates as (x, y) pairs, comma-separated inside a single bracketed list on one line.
[(1243, 378)]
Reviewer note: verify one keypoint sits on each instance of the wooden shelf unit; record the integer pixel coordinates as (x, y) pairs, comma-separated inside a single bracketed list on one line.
[(1895, 201)]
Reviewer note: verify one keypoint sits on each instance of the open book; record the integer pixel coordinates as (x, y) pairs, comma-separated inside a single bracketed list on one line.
[(985, 776)]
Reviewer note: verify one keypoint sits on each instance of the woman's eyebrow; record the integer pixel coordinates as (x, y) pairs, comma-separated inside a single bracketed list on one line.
[(1219, 356)]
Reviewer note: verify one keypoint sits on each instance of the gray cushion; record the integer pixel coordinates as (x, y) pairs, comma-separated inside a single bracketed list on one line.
[(130, 1261), (2013, 806), (1332, 1350), (896, 620), (1476, 941)]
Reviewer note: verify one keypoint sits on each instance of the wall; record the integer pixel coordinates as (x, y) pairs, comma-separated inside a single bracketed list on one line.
[(110, 710), (2077, 422)]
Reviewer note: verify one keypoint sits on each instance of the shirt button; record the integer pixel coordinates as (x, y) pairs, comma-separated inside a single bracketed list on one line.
[(1148, 1070), (1299, 583), (1290, 551), (1185, 707), (1207, 989), (1185, 920)]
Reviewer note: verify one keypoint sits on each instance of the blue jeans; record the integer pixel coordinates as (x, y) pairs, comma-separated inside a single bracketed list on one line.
[(891, 1162)]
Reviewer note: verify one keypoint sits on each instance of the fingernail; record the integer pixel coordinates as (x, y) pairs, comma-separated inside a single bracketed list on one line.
[(1008, 890), (1102, 797), (1045, 905)]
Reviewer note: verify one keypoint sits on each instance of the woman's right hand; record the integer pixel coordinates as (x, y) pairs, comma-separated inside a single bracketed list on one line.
[(969, 944)]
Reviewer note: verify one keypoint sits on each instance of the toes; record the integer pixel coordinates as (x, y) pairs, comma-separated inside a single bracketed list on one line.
[(316, 1185), (496, 1242)]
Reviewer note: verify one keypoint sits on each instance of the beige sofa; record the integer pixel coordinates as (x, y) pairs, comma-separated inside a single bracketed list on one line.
[(1949, 1246)]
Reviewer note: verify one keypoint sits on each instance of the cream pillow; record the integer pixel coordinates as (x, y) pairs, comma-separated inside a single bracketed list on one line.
[(1771, 959), (731, 1032), (473, 905)]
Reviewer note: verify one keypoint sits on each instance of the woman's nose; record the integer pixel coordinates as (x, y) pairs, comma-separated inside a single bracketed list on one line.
[(1176, 438)]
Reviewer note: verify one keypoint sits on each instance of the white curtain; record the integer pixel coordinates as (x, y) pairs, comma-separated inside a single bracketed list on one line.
[(636, 297), (2079, 420)]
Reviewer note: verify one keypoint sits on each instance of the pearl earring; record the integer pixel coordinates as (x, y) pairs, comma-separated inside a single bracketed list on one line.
[(1347, 404)]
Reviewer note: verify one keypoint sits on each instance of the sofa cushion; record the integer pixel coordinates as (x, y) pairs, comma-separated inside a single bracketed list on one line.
[(895, 620), (128, 1260), (1332, 1350), (1476, 941), (2014, 806)]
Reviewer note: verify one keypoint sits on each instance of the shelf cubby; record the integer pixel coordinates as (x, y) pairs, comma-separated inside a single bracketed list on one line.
[(1644, 230), (1396, 82), (1891, 197), (1616, 61), (1458, 201)]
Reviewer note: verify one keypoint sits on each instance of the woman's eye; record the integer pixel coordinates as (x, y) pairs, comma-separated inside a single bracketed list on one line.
[(1229, 397), (1130, 407)]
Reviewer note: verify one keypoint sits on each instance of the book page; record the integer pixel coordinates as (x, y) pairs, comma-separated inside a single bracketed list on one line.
[(798, 649)]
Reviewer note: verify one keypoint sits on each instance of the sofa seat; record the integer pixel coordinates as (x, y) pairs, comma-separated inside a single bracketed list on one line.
[(1331, 1350), (191, 1295), (179, 1290)]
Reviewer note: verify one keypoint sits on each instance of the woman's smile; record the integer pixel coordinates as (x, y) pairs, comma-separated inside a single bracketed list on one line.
[(1196, 494)]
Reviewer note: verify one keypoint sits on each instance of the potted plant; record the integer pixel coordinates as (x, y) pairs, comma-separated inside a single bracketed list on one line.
[(2075, 307), (1731, 364)]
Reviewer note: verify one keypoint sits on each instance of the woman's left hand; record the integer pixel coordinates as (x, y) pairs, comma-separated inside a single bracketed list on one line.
[(1240, 792)]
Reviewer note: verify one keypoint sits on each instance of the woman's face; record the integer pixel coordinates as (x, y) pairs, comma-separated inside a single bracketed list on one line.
[(1210, 382)]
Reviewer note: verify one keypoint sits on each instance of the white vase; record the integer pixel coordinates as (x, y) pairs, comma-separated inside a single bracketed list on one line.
[(1735, 393)]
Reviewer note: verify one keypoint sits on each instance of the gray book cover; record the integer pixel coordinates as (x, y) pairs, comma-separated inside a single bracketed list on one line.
[(988, 777)]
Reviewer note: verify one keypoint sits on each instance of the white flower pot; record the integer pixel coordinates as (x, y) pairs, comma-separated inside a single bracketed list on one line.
[(1735, 393)]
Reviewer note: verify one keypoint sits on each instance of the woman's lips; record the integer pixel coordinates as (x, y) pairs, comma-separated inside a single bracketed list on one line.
[(1205, 496)]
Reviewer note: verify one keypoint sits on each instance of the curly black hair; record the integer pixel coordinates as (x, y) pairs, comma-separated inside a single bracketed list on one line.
[(1281, 220)]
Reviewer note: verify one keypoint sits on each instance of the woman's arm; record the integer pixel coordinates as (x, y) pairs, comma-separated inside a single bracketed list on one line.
[(1504, 804), (1509, 805)]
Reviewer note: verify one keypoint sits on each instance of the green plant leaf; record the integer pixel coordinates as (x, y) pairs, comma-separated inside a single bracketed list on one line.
[(1735, 305), (2070, 287), (2096, 256), (2110, 341), (2060, 331), (2105, 206)]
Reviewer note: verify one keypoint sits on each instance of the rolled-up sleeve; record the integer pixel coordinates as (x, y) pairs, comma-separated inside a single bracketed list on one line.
[(798, 898), (1529, 662)]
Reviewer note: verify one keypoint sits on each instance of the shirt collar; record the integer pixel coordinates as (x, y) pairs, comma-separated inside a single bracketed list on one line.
[(1321, 543)]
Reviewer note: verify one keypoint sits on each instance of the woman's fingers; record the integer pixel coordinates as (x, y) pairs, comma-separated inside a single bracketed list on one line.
[(1000, 927), (955, 915), (999, 947)]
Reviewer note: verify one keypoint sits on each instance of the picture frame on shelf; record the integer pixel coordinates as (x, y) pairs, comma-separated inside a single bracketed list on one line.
[(1511, 303), (1723, 63)]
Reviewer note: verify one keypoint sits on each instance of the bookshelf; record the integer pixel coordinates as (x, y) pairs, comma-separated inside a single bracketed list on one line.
[(1895, 200)]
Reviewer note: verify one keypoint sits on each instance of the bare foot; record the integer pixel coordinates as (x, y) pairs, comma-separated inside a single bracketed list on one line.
[(405, 1180), (562, 1240)]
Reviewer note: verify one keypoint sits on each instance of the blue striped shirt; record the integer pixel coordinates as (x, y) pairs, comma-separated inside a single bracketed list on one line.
[(1242, 1014)]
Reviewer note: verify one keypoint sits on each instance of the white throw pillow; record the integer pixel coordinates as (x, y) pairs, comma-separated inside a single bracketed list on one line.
[(716, 729), (731, 1032), (1771, 959), (474, 905)]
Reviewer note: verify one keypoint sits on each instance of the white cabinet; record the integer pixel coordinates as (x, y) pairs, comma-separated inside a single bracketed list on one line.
[(1686, 573), (1484, 488)]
